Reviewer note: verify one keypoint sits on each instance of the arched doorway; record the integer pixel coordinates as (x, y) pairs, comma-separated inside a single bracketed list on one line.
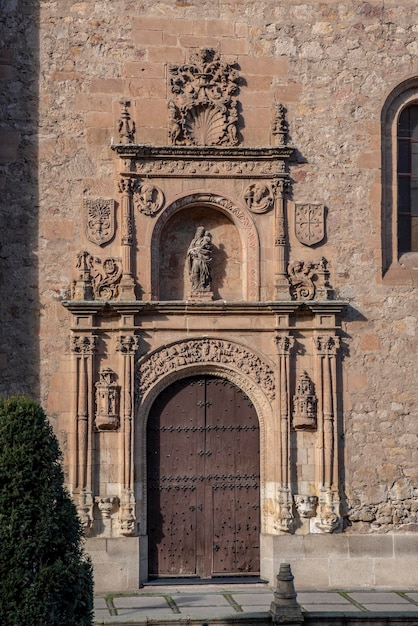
[(203, 480)]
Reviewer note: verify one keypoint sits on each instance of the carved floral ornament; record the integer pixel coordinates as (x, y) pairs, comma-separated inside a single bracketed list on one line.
[(204, 109), (97, 279), (200, 351)]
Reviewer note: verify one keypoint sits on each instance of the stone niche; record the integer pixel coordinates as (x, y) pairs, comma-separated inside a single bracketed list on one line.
[(226, 265)]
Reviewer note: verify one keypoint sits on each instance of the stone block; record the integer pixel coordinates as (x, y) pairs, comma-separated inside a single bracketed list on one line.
[(165, 54), (234, 46), (351, 573), (405, 546), (171, 25), (370, 546), (288, 547), (333, 545), (309, 573), (396, 573), (147, 37), (107, 85), (263, 66)]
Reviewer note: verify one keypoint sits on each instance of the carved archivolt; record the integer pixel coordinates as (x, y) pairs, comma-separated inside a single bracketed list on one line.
[(197, 351), (246, 227)]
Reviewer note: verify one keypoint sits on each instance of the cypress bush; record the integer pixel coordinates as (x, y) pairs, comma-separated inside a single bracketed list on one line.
[(45, 577)]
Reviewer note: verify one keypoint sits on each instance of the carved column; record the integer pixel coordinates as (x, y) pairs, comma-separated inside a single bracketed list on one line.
[(83, 348), (127, 284), (328, 518), (284, 345), (127, 345), (281, 282)]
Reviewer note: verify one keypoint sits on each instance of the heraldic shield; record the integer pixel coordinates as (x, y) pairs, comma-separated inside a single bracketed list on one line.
[(99, 220), (310, 223)]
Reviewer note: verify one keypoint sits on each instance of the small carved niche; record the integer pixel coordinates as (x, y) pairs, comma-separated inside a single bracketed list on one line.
[(107, 401), (305, 403)]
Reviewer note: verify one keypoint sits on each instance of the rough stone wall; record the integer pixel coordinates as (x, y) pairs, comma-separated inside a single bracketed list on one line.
[(332, 64)]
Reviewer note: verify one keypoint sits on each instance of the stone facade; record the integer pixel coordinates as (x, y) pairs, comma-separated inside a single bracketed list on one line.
[(279, 142)]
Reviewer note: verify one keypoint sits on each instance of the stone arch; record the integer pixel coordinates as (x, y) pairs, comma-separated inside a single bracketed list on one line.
[(403, 95), (261, 394), (239, 217)]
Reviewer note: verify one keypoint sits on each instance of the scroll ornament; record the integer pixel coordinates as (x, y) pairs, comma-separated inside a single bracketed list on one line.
[(204, 110), (97, 279), (309, 280)]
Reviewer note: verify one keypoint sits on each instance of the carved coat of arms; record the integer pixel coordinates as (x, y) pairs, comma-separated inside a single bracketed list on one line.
[(310, 223), (99, 220)]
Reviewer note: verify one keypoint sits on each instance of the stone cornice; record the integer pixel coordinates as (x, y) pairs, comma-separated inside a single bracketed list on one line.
[(147, 308), (207, 161)]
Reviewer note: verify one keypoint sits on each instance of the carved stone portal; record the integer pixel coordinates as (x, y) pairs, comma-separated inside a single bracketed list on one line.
[(204, 112)]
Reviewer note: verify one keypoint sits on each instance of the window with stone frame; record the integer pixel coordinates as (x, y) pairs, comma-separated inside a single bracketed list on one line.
[(407, 178), (400, 184)]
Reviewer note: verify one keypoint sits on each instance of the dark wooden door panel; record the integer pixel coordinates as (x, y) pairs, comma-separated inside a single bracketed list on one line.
[(203, 480)]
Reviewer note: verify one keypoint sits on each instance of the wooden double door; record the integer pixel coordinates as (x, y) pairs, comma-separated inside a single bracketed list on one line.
[(203, 481)]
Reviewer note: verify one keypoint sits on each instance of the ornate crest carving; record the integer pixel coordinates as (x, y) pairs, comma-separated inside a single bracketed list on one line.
[(259, 197), (309, 280), (107, 401), (99, 220), (98, 279), (304, 403), (310, 223), (148, 199), (204, 112), (200, 351)]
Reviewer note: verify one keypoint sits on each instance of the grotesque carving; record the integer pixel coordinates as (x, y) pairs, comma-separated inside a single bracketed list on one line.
[(99, 220), (126, 128), (107, 401), (259, 197), (100, 278), (200, 351), (310, 223), (302, 276), (199, 257), (306, 505), (107, 507), (284, 519), (204, 112), (304, 403), (148, 199), (328, 518), (279, 125)]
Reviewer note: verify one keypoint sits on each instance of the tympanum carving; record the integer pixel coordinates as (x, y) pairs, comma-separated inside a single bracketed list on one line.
[(107, 401), (304, 403), (99, 220), (199, 258), (200, 351), (310, 223), (204, 109)]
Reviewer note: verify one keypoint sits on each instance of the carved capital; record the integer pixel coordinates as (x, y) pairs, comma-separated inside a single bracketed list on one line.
[(83, 344), (284, 344), (126, 186), (327, 346), (127, 344)]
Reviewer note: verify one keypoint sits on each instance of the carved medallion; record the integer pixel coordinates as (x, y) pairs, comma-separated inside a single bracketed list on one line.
[(99, 220), (310, 223), (259, 197), (148, 199), (204, 109)]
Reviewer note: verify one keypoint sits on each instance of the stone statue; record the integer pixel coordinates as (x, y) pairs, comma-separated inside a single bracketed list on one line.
[(199, 259)]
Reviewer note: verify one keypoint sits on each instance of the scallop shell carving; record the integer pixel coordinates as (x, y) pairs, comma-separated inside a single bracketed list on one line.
[(204, 125)]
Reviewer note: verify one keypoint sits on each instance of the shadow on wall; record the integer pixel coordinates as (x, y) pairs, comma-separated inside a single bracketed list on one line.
[(19, 303)]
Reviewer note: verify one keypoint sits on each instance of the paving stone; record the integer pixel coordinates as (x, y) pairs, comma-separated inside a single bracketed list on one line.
[(100, 603), (332, 608), (393, 608), (253, 599), (201, 600), (208, 612), (377, 597), (140, 602), (320, 597)]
